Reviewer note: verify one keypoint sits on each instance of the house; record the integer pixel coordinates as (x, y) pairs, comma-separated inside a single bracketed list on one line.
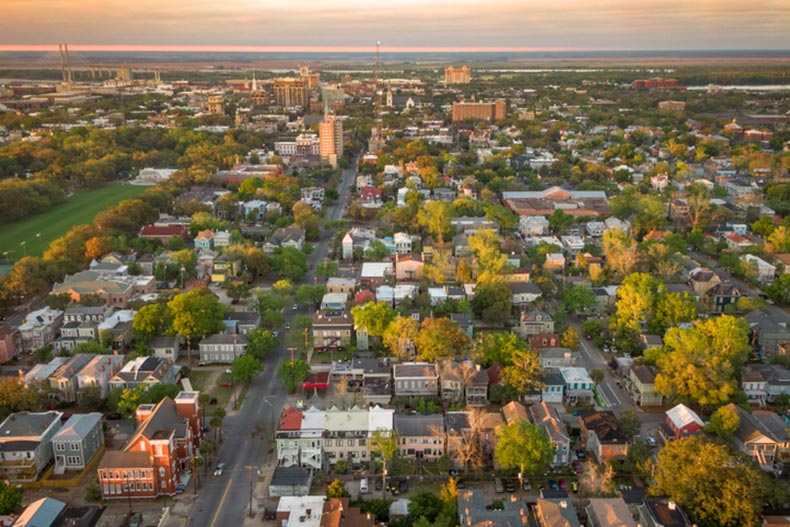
[(642, 384), (548, 419), (595, 228), (416, 379), (346, 435), (10, 343), (40, 328), (145, 370), (394, 295), (552, 358), (313, 196), (609, 512), (544, 340), (553, 387), (776, 379), (292, 482), (535, 322), (222, 348), (332, 330), (341, 285), (578, 385), (242, 322), (458, 428), (463, 321), (26, 444), (116, 289), (374, 274), (556, 513), (287, 437), (720, 296), (40, 372), (754, 386), (163, 234), (554, 262), (77, 442), (437, 295), (97, 374), (334, 302), (64, 381), (532, 226), (736, 242), (44, 512), (513, 412), (657, 512), (760, 435), (204, 239), (702, 280), (572, 245), (408, 268), (224, 268), (472, 224), (602, 435), (683, 421), (461, 245), (299, 438), (165, 347), (338, 513), (420, 436), (403, 243), (293, 237), (524, 293), (769, 331), (761, 270), (222, 239), (473, 510), (476, 388), (156, 459), (357, 240)]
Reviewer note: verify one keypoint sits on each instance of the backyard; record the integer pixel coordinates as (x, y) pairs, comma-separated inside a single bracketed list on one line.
[(38, 231)]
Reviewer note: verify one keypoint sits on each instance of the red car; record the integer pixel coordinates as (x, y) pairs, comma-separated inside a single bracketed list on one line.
[(563, 485), (226, 384), (578, 467)]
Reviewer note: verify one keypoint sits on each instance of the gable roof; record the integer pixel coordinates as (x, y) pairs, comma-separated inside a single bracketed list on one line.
[(78, 426), (682, 416)]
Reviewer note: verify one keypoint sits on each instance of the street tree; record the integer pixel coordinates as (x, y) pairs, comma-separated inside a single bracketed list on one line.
[(525, 446), (326, 269), (570, 339), (734, 487), (152, 320), (384, 446), (293, 373), (779, 290), (196, 314), (629, 423), (290, 263), (597, 375), (236, 290), (373, 317), (578, 298), (704, 363), (524, 372), (440, 338), (244, 368), (208, 449), (260, 342), (310, 294), (400, 335)]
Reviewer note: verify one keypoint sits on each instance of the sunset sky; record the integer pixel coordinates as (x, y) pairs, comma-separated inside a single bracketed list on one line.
[(407, 24)]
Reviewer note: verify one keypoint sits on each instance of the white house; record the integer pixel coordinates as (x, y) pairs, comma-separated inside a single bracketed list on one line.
[(595, 228), (403, 243), (531, 226), (765, 272)]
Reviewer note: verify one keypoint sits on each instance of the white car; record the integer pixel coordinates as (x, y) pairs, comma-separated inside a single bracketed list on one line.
[(650, 441), (220, 468)]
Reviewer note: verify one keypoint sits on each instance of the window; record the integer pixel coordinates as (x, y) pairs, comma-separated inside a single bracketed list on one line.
[(60, 447), (350, 442), (73, 460), (75, 445), (162, 472), (339, 442), (106, 489)]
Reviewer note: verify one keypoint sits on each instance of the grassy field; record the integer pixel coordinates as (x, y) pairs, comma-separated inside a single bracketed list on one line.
[(40, 230)]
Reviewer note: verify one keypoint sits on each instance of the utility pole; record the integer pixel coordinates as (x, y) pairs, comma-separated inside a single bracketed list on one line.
[(250, 467)]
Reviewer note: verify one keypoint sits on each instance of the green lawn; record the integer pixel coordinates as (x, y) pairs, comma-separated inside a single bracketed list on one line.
[(41, 229)]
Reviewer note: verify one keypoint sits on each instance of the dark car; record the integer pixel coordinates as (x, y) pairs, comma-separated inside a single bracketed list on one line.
[(509, 485), (581, 455), (554, 485), (213, 401), (114, 416), (378, 484), (269, 514), (578, 466), (460, 484), (403, 486)]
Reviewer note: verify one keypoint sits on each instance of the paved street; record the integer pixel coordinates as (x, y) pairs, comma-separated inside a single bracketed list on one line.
[(224, 500)]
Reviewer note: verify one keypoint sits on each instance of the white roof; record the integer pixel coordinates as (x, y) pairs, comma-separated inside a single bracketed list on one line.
[(40, 317), (353, 420), (380, 419), (125, 315), (682, 416), (438, 292), (575, 374), (335, 281), (313, 421), (376, 269), (334, 298), (297, 507)]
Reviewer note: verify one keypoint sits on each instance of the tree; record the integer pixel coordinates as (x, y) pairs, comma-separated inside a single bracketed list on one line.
[(290, 263), (337, 489), (10, 498), (560, 221), (384, 444), (293, 373), (237, 290), (779, 290), (597, 375), (440, 338), (207, 449), (130, 399), (326, 269), (400, 335), (630, 423), (703, 364), (244, 368), (597, 480), (724, 422), (672, 309), (578, 299), (484, 244), (525, 446), (570, 339), (305, 217), (376, 250), (310, 294), (498, 348), (256, 262), (620, 250), (701, 211), (636, 298), (435, 217), (780, 239), (524, 373), (493, 300), (733, 485), (152, 320), (196, 314), (261, 342), (373, 317)]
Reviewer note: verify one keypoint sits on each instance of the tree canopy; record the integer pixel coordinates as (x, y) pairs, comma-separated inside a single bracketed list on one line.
[(525, 446)]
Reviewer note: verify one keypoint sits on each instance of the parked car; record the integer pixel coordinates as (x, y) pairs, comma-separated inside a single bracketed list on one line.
[(563, 485), (499, 486), (403, 486), (269, 514), (575, 486), (553, 484), (219, 469), (136, 520), (114, 416), (578, 466), (526, 485), (363, 486), (460, 484), (650, 441), (509, 485), (378, 484), (226, 384), (581, 455), (287, 325)]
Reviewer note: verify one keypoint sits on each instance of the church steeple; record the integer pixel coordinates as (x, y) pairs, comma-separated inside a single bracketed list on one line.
[(254, 83)]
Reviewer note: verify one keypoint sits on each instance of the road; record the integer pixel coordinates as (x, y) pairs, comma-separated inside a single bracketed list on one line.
[(224, 500)]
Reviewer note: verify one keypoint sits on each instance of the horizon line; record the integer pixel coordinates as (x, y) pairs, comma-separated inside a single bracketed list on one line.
[(343, 49)]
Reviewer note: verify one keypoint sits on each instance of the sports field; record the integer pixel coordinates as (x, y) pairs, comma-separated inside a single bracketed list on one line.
[(40, 230)]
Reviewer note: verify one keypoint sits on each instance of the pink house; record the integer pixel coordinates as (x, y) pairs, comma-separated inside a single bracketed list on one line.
[(408, 268)]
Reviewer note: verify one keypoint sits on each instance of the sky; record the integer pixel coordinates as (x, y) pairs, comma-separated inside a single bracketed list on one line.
[(400, 25)]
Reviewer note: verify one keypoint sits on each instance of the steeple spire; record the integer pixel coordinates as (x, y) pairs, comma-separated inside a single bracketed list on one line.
[(254, 82)]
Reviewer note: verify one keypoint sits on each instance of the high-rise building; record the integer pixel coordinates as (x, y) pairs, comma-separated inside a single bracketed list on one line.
[(216, 105), (453, 75), (290, 92), (330, 135), (311, 79), (478, 111)]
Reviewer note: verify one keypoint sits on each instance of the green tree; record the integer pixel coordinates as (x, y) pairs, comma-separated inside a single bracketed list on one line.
[(440, 338), (310, 294), (208, 449), (129, 400), (578, 299), (498, 348), (256, 262), (703, 364), (377, 251), (326, 269), (733, 485), (373, 317), (724, 422), (244, 368), (597, 375), (237, 290), (525, 446), (560, 221), (779, 290), (293, 373), (493, 300), (672, 309), (524, 372), (261, 342), (630, 423), (290, 263), (336, 489), (196, 314), (10, 498)]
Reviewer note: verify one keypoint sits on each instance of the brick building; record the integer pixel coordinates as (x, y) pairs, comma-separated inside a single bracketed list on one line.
[(478, 111)]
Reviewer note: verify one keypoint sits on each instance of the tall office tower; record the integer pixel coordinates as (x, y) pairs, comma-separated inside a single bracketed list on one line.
[(330, 135), (453, 75), (290, 92)]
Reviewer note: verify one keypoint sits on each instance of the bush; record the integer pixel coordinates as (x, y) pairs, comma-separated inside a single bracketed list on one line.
[(341, 467)]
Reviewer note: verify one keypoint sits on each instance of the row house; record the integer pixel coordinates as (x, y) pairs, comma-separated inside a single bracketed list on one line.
[(75, 333), (547, 418), (341, 285), (65, 380), (40, 328), (10, 343), (80, 313), (642, 384), (534, 322), (357, 240), (416, 379), (332, 330), (578, 385), (98, 372), (763, 383), (553, 358), (293, 237), (464, 382), (299, 438), (420, 436), (159, 454), (26, 444), (222, 348), (143, 371)]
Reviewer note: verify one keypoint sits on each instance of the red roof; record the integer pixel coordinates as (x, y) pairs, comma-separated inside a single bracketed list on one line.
[(370, 192), (736, 238), (494, 372), (170, 230), (290, 419)]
